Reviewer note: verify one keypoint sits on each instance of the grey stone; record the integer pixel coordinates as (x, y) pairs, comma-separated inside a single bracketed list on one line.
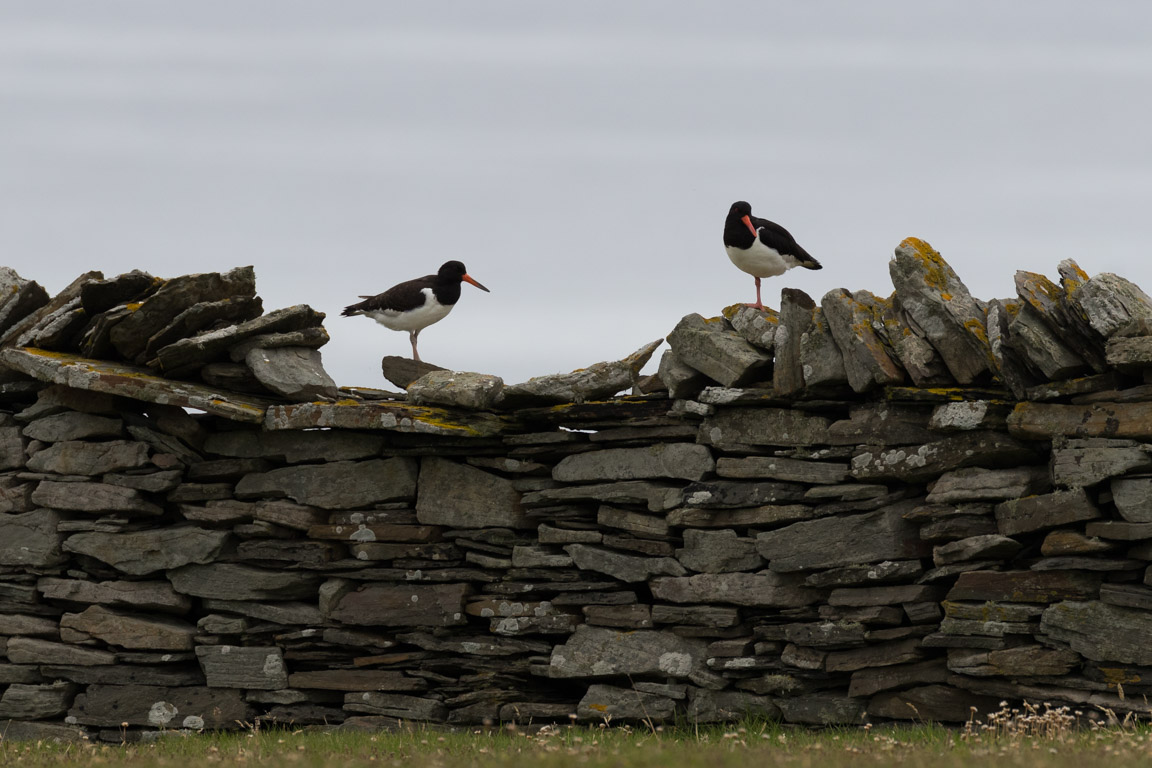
[(1051, 304), (296, 373), (711, 346), (682, 380), (807, 357), (915, 354), (826, 634), (72, 425), (781, 468), (821, 709), (19, 624), (1067, 542), (20, 298), (979, 484), (706, 706), (140, 595), (857, 575), (1026, 586), (881, 424), (1129, 354), (634, 522), (78, 457), (696, 615), (94, 497), (763, 426), (718, 552), (620, 616), (312, 337), (396, 705), (1084, 463), (757, 326), (868, 681), (967, 415), (31, 539), (457, 388), (466, 497), (192, 707), (1042, 421), (867, 360), (1050, 510), (1100, 631), (1043, 350), (601, 652), (942, 309), (205, 315), (1119, 530), (629, 568), (924, 462), (1109, 302), (609, 703), (685, 461), (932, 703), (874, 655), (279, 612), (597, 381), (143, 552), (30, 650), (337, 484), (241, 582), (1133, 498), (402, 371), (894, 594), (36, 702), (734, 493), (987, 547), (766, 590), (17, 731), (403, 605), (841, 541), (1023, 660), (229, 666), (12, 448), (295, 447), (129, 630), (150, 482)]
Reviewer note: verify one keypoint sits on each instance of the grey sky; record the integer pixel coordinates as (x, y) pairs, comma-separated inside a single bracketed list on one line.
[(578, 157)]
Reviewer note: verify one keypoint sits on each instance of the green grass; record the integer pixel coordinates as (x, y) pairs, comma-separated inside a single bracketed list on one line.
[(749, 744)]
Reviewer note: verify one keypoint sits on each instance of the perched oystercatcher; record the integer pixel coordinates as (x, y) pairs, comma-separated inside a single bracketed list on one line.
[(415, 304), (760, 247)]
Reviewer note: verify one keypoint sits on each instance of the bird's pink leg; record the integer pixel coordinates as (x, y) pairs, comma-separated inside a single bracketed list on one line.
[(759, 304), (415, 354)]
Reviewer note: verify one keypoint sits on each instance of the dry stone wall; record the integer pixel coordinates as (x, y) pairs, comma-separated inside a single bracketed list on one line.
[(857, 510)]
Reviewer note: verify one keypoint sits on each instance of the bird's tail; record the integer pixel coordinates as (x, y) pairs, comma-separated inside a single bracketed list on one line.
[(810, 263)]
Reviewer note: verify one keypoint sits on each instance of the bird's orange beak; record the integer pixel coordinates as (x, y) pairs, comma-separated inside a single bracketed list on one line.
[(468, 279), (748, 223)]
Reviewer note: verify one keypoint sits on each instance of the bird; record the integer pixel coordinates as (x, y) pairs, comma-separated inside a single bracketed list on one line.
[(415, 304), (760, 247)]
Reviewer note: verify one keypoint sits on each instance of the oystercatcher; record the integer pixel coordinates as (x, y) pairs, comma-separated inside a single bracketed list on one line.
[(415, 304), (760, 247)]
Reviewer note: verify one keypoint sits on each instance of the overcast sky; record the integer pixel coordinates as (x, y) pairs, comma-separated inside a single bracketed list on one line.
[(579, 158)]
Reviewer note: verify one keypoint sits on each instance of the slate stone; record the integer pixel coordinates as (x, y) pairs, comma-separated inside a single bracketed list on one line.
[(924, 462), (628, 568), (881, 424), (72, 425), (1050, 510), (142, 552), (1023, 660), (17, 498), (841, 541), (610, 703), (155, 596), (705, 706), (31, 539), (807, 357), (943, 310), (401, 605), (159, 481), (1109, 302), (396, 705), (19, 624), (192, 707), (240, 582), (766, 590), (756, 326), (867, 360), (932, 703), (763, 426), (295, 447), (12, 448), (187, 355), (461, 389), (874, 655), (597, 381), (712, 347), (1043, 350), (1051, 304), (250, 667), (968, 415), (980, 484), (280, 612), (685, 461), (36, 702), (1043, 421), (20, 298), (624, 519), (1025, 586), (986, 547), (296, 373), (1133, 498), (619, 616), (718, 552), (128, 630), (601, 652), (29, 650), (1119, 530), (1100, 631), (337, 484), (821, 709), (1084, 463), (681, 379), (402, 371), (93, 498), (782, 468), (205, 315), (914, 353), (858, 575), (79, 457), (1065, 542), (868, 681), (462, 496), (734, 493)]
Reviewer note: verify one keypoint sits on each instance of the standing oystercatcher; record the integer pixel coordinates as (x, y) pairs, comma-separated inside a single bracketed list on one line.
[(760, 247), (415, 304)]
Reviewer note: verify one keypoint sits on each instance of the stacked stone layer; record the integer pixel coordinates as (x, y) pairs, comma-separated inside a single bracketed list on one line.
[(863, 510)]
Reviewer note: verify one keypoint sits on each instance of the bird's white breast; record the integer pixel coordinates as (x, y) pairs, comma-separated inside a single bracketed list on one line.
[(414, 319), (760, 260)]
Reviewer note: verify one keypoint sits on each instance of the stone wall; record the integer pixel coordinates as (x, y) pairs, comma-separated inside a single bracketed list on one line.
[(869, 509)]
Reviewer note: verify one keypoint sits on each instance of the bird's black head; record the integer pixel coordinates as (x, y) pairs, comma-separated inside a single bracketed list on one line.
[(739, 208), (452, 270)]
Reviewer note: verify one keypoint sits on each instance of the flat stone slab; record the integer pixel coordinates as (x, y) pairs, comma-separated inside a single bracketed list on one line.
[(712, 347), (627, 568), (1026, 586), (337, 484), (193, 707), (918, 463), (402, 605), (296, 373), (980, 484), (608, 702), (394, 417), (763, 426), (456, 389), (31, 539), (766, 590), (841, 541), (1042, 421), (131, 382), (684, 461), (463, 496), (854, 324), (127, 630), (249, 667), (601, 652), (1086, 462), (1101, 631), (596, 382), (1050, 510)]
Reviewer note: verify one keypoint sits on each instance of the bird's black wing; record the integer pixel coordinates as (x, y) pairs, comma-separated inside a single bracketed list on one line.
[(398, 298), (775, 236)]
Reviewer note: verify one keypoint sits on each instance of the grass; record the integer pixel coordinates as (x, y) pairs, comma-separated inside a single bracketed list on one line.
[(1030, 738)]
